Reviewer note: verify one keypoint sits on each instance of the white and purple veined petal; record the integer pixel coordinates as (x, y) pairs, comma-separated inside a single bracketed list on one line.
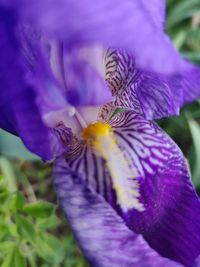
[(31, 89), (168, 222), (46, 93), (103, 236), (158, 95)]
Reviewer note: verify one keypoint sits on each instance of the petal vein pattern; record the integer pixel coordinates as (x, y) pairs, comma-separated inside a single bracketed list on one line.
[(151, 94), (99, 136), (165, 188), (171, 204), (101, 233)]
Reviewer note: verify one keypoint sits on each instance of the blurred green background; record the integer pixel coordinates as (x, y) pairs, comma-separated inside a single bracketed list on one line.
[(33, 231)]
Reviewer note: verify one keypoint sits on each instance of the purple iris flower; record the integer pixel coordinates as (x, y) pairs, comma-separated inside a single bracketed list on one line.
[(38, 56), (122, 182), (124, 185)]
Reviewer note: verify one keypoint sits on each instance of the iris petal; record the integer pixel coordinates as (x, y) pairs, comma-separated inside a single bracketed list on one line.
[(169, 221), (84, 22), (171, 205), (101, 233), (156, 11), (164, 96), (158, 95), (17, 99), (85, 84), (29, 124), (20, 113)]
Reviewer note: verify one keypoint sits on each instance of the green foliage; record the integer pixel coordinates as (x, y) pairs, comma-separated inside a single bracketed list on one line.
[(180, 11), (29, 229), (195, 157), (183, 26), (49, 248), (39, 209)]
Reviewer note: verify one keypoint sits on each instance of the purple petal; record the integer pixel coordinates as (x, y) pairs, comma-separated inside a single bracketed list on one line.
[(26, 119), (156, 11), (18, 99), (6, 121), (36, 56), (64, 75), (164, 96), (188, 84), (60, 139), (158, 95), (171, 220), (101, 233), (29, 125), (85, 86), (113, 23), (123, 78), (30, 40)]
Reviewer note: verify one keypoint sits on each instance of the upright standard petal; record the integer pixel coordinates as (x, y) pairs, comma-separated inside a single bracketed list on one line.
[(103, 236), (159, 95), (163, 96), (84, 22)]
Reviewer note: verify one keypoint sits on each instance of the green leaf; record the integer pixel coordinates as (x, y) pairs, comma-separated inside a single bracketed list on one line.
[(25, 228), (49, 248), (14, 258), (19, 259), (39, 209), (8, 261), (48, 223), (7, 246), (17, 201), (13, 230), (12, 203), (192, 55), (9, 174), (195, 132), (3, 232), (179, 39), (182, 10), (3, 196)]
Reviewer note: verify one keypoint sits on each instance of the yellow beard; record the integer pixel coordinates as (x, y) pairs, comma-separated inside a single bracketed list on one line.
[(101, 138)]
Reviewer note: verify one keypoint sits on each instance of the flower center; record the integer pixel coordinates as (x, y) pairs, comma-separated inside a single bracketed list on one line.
[(100, 137)]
